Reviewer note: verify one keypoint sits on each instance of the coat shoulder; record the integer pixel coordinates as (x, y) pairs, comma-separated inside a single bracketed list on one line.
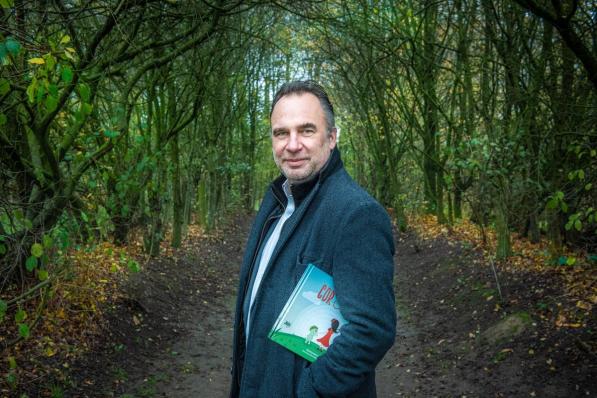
[(344, 194)]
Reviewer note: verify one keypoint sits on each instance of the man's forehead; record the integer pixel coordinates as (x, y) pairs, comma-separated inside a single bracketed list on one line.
[(301, 95)]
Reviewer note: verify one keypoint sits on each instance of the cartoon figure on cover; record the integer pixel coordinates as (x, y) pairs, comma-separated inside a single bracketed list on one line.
[(325, 340), (312, 332)]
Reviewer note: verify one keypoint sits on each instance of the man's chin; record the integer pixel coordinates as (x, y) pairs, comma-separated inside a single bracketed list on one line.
[(298, 178)]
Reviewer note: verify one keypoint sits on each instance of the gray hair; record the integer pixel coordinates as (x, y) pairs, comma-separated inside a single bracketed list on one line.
[(308, 86)]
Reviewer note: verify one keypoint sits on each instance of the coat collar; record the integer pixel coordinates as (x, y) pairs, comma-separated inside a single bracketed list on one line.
[(300, 191)]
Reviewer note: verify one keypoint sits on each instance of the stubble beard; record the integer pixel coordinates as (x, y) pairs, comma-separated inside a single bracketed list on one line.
[(296, 176)]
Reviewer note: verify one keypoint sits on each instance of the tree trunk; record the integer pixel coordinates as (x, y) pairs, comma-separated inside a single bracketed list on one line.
[(177, 203), (154, 232), (503, 249)]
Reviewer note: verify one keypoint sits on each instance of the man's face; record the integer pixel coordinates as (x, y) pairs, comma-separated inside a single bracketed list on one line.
[(300, 142)]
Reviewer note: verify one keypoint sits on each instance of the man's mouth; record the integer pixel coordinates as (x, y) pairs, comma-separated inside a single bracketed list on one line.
[(295, 162)]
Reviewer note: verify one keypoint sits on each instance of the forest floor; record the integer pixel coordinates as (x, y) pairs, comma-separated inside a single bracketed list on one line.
[(169, 333)]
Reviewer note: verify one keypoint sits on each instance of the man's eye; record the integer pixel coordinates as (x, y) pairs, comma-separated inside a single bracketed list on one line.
[(308, 132), (280, 133)]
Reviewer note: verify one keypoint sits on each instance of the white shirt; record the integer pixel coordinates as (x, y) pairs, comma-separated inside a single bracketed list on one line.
[(268, 249)]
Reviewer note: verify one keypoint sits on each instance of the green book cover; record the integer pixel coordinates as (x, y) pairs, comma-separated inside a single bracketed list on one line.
[(311, 318)]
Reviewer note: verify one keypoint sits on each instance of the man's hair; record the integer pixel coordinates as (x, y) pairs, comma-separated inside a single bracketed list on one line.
[(307, 86)]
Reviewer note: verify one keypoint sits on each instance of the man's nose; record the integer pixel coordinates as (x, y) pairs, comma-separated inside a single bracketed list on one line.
[(294, 143)]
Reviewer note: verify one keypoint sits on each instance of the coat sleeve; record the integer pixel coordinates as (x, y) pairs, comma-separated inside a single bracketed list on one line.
[(363, 272)]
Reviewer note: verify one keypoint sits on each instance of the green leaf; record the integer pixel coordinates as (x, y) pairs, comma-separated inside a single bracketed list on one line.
[(79, 116), (6, 3), (11, 379), (24, 330), (578, 225), (65, 39), (571, 261), (3, 308), (4, 86), (68, 53), (20, 316), (51, 103), (12, 363), (19, 215), (12, 45), (3, 52), (86, 109), (560, 195), (37, 250), (133, 266), (36, 61), (64, 238), (84, 92), (31, 263), (42, 275), (2, 119), (31, 89), (2, 249), (581, 174), (552, 203), (587, 187), (47, 241), (562, 260), (564, 207), (67, 74), (53, 90), (84, 216), (50, 62), (111, 133), (40, 92)]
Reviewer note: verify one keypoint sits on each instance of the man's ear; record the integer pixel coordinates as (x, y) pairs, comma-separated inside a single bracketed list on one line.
[(333, 137)]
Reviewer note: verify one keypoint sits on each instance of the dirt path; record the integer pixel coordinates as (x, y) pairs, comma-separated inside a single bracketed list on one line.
[(172, 337), (457, 339)]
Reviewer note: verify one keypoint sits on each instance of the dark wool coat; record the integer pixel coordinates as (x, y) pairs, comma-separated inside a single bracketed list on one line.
[(341, 229)]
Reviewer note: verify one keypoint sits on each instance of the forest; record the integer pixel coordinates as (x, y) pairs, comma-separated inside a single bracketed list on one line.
[(130, 122)]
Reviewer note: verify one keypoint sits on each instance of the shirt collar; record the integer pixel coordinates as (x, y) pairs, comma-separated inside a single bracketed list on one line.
[(287, 188)]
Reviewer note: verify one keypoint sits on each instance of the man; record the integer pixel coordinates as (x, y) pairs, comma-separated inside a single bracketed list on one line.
[(313, 213)]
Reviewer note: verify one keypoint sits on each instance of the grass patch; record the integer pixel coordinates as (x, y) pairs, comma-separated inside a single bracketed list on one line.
[(501, 355)]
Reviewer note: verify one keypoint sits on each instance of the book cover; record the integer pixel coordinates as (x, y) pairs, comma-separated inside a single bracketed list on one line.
[(311, 318)]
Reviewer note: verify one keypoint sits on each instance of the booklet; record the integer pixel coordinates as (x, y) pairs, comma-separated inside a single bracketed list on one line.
[(311, 318)]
